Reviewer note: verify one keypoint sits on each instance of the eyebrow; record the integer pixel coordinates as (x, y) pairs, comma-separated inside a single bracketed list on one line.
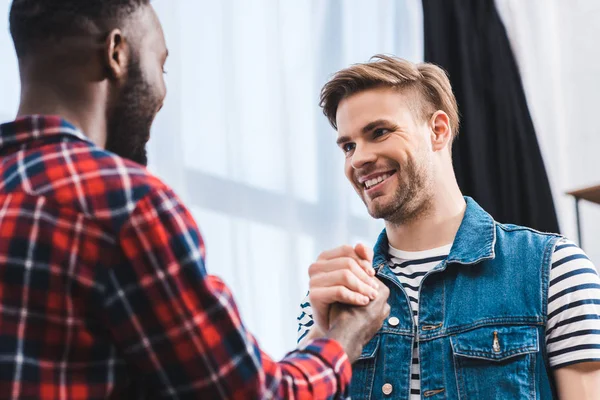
[(366, 129)]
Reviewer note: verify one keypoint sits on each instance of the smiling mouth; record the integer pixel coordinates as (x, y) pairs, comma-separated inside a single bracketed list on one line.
[(377, 180)]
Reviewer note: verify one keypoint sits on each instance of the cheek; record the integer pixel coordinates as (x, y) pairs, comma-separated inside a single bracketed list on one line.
[(406, 153), (162, 86), (348, 170), (157, 83)]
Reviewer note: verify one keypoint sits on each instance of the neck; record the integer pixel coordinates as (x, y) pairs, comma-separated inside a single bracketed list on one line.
[(81, 105), (436, 227)]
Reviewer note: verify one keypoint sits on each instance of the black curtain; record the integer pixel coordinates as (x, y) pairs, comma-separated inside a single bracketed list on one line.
[(496, 155)]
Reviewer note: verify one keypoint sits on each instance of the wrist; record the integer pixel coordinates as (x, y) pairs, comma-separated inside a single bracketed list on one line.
[(315, 333), (348, 339)]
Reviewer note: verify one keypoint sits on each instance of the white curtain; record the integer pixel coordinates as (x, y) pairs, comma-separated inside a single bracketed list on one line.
[(243, 141), (555, 44)]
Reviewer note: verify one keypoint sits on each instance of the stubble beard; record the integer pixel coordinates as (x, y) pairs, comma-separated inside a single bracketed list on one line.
[(412, 199)]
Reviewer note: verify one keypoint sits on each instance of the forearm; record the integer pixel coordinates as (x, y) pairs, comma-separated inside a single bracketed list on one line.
[(579, 381), (180, 328), (318, 370)]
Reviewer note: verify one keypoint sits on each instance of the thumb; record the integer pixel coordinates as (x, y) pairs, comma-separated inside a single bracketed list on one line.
[(364, 252)]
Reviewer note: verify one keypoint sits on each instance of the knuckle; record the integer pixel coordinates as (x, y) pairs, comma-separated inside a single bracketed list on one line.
[(347, 249), (386, 310), (314, 280), (347, 276), (313, 268), (348, 263)]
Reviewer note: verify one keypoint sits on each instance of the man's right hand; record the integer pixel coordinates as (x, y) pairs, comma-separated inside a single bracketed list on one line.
[(342, 275), (353, 326)]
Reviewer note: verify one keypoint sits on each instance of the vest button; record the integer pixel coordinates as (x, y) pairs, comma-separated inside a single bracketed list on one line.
[(393, 321), (387, 388)]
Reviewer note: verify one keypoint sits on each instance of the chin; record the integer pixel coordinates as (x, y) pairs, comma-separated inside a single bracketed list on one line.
[(378, 209)]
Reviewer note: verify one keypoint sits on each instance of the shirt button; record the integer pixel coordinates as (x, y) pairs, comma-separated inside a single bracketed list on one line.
[(393, 321), (387, 388)]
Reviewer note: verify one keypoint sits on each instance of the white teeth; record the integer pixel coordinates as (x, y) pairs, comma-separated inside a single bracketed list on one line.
[(375, 181)]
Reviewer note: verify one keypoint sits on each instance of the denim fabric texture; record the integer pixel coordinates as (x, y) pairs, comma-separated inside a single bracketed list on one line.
[(482, 317)]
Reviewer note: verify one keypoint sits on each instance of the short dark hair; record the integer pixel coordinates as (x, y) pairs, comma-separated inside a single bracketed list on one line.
[(33, 22)]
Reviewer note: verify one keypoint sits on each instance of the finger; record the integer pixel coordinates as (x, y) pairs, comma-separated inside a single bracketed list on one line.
[(349, 251), (367, 266), (386, 310), (342, 251), (383, 291), (343, 263), (364, 252), (338, 294), (343, 277), (366, 255)]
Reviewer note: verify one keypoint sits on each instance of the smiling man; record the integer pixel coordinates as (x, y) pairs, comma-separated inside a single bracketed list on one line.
[(480, 309)]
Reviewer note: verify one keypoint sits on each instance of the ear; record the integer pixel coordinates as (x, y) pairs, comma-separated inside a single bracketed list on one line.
[(116, 54), (441, 133)]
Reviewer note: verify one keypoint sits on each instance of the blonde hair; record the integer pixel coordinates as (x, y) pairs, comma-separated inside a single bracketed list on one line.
[(429, 82)]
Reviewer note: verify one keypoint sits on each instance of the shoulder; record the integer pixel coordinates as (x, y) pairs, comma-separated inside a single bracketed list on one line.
[(114, 175), (523, 240), (565, 248), (525, 231), (573, 326), (97, 183), (568, 260)]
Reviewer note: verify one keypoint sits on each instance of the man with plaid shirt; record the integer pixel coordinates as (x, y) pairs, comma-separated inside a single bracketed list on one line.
[(103, 290)]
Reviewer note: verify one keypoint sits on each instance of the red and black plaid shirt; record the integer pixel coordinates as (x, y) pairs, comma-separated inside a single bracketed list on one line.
[(103, 290)]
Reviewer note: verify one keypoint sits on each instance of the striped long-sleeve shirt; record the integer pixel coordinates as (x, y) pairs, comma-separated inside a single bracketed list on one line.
[(573, 327)]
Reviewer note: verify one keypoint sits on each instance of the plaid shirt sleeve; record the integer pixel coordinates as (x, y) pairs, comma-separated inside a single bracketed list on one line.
[(181, 328)]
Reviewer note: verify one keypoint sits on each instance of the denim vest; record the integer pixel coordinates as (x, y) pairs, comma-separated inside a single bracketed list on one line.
[(482, 318)]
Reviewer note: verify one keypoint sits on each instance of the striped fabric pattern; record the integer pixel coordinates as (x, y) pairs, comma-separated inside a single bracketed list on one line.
[(305, 319), (573, 330), (411, 268), (573, 327)]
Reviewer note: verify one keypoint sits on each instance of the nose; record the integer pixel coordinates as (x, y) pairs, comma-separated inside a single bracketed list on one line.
[(362, 156)]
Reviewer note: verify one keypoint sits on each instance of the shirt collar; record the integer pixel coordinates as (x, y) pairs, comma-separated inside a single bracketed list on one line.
[(32, 127), (474, 241)]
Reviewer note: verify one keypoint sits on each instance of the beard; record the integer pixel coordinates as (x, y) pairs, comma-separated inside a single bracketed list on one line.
[(410, 200), (131, 117)]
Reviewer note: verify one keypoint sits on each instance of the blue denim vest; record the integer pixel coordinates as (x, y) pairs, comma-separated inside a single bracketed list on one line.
[(482, 317)]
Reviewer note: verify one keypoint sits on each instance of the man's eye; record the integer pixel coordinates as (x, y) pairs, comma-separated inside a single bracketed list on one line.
[(348, 147), (380, 132)]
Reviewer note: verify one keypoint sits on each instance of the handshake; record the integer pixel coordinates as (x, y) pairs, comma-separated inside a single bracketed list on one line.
[(349, 303)]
